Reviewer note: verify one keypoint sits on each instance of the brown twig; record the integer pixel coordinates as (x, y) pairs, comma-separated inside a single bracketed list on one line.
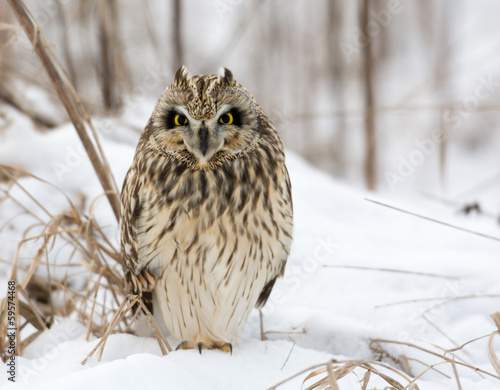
[(400, 271), (289, 353), (38, 119), (435, 220)]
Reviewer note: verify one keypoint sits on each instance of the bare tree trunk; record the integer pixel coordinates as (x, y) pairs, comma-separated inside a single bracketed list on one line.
[(5, 17), (370, 142), (70, 66), (177, 34), (443, 149), (335, 11), (442, 84), (107, 16)]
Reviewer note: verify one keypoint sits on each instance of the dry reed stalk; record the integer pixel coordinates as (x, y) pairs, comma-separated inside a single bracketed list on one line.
[(70, 102), (457, 377), (494, 360)]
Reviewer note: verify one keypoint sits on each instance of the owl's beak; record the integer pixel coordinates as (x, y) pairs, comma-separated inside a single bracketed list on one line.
[(203, 139)]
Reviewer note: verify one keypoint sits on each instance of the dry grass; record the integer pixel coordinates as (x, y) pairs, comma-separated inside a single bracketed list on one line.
[(103, 305), (329, 374), (42, 298)]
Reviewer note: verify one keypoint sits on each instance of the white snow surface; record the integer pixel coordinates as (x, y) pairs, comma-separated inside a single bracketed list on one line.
[(321, 309)]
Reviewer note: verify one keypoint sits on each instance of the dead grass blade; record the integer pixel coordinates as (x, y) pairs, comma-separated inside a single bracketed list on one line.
[(435, 220), (398, 271), (496, 318), (30, 312), (457, 377), (494, 360), (338, 369), (128, 303), (366, 380), (289, 353)]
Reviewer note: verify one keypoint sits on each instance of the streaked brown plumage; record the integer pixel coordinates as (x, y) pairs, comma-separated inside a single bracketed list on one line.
[(206, 210)]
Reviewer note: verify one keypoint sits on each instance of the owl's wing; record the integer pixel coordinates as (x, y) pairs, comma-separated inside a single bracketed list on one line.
[(266, 292), (139, 280), (286, 232)]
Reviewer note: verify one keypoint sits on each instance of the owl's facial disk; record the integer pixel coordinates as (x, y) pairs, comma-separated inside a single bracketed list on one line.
[(202, 137), (205, 137), (205, 114)]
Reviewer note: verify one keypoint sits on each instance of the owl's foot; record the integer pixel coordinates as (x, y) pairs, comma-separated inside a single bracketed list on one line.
[(220, 345), (144, 281)]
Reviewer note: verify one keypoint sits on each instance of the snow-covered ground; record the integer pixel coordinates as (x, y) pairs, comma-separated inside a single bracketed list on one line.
[(338, 293)]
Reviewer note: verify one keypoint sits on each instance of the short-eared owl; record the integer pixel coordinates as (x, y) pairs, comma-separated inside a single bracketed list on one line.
[(206, 210)]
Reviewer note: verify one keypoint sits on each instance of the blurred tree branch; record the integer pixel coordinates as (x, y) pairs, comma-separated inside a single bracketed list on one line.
[(370, 142)]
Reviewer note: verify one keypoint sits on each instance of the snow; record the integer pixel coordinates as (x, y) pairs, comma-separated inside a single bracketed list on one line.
[(319, 310)]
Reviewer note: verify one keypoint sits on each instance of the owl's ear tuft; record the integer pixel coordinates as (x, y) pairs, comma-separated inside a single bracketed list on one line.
[(226, 76), (181, 77)]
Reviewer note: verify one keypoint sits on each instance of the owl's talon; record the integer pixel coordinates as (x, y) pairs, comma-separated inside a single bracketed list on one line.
[(142, 280), (200, 346), (183, 345), (151, 279), (226, 347)]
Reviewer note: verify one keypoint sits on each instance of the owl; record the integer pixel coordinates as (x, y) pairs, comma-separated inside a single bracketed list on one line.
[(207, 211)]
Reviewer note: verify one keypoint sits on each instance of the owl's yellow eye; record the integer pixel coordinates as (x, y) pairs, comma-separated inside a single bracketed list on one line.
[(226, 119), (180, 120)]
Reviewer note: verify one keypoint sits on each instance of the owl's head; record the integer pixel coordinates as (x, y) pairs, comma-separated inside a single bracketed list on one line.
[(204, 117)]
